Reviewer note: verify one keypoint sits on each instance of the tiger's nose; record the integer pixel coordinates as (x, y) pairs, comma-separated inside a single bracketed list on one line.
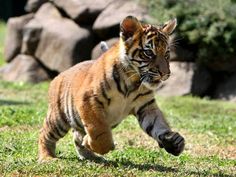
[(164, 75)]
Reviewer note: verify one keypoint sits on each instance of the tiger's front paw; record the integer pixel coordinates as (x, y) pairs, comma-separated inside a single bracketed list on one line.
[(172, 142), (101, 145)]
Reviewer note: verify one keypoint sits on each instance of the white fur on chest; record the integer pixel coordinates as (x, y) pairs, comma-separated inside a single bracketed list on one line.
[(118, 110)]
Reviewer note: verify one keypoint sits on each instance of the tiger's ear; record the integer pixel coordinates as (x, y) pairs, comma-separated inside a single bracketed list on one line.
[(169, 26), (129, 26)]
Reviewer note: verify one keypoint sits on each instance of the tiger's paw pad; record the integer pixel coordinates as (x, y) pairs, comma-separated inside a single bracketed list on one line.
[(172, 142)]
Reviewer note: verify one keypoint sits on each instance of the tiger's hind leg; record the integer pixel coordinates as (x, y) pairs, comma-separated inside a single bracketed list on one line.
[(83, 152), (54, 128)]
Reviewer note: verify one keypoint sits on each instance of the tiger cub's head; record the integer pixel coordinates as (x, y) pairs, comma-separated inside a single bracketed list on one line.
[(147, 49)]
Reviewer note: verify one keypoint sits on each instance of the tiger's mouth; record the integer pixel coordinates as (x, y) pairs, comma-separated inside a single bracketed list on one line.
[(153, 78), (152, 81)]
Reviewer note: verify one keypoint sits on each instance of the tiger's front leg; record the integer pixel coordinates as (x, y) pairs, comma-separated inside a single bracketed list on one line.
[(100, 144), (154, 124), (98, 136)]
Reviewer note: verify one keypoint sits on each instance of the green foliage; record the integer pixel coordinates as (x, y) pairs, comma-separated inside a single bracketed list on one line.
[(205, 124), (208, 26)]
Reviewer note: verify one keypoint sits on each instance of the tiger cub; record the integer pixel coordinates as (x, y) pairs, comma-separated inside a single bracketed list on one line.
[(94, 96)]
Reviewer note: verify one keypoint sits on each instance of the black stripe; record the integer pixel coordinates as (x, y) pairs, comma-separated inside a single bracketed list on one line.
[(54, 128), (78, 123), (138, 61), (64, 122), (132, 90), (162, 35), (104, 94), (145, 58), (156, 81), (64, 119), (140, 110), (99, 102), (116, 77), (134, 52), (140, 119), (64, 131), (150, 127), (76, 116), (142, 94), (52, 136), (78, 144), (106, 83), (141, 42), (140, 67), (152, 42), (58, 132)]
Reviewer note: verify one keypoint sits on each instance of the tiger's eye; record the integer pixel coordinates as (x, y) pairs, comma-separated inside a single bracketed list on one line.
[(149, 53)]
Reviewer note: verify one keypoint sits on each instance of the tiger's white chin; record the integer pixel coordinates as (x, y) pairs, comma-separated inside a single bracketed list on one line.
[(152, 86)]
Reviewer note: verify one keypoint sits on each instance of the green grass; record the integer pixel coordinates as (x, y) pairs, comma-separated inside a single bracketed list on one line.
[(2, 38), (208, 126)]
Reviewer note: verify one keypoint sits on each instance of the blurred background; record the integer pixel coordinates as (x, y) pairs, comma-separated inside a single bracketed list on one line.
[(41, 38)]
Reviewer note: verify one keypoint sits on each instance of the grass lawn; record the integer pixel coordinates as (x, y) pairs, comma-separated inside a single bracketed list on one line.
[(208, 126)]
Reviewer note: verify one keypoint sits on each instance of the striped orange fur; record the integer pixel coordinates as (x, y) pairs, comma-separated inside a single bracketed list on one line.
[(92, 97)]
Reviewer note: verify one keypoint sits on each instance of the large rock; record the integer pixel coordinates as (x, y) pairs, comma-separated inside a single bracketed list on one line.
[(24, 68), (14, 36), (107, 23), (62, 42), (96, 52), (31, 36), (180, 81), (226, 90), (33, 5), (82, 11)]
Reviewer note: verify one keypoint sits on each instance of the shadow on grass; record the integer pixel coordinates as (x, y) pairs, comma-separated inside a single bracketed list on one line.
[(128, 164), (12, 102), (156, 167), (142, 167)]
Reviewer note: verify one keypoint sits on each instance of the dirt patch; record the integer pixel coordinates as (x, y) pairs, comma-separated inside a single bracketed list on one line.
[(4, 128)]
